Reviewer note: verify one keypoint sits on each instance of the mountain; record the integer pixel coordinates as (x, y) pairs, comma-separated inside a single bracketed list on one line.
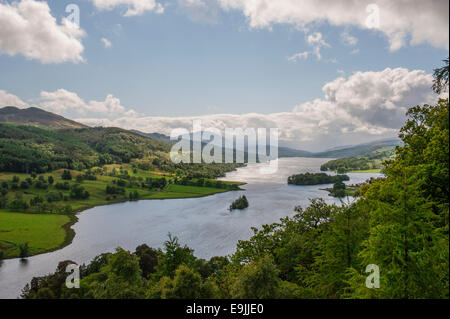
[(36, 117), (335, 152), (156, 136), (360, 149)]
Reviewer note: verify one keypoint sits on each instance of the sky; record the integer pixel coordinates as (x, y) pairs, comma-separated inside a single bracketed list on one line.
[(325, 73)]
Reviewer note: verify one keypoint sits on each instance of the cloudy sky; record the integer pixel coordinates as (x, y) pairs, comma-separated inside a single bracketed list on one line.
[(325, 73)]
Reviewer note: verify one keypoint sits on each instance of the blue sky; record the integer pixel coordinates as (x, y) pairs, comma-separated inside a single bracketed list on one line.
[(176, 64)]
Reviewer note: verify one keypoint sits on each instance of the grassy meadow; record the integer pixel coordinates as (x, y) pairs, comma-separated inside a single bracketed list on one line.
[(46, 226)]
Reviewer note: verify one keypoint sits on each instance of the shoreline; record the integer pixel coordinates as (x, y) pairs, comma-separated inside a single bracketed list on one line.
[(73, 218)]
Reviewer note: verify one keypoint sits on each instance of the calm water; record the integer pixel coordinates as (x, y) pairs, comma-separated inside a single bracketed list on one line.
[(204, 224)]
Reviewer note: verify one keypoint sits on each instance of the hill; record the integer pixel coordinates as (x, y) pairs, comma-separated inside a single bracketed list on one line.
[(36, 117), (372, 160), (25, 148), (360, 149)]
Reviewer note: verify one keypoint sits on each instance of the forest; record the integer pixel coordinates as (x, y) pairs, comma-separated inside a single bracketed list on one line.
[(316, 179)]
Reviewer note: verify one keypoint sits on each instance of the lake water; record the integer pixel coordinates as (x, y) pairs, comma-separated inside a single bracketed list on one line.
[(204, 224)]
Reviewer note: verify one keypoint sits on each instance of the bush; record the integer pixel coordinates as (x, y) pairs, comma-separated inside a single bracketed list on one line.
[(63, 186), (78, 192), (239, 203), (66, 175), (111, 190), (24, 185), (23, 250), (54, 197)]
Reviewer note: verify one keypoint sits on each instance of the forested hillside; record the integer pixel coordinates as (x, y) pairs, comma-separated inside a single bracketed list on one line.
[(372, 161), (29, 149)]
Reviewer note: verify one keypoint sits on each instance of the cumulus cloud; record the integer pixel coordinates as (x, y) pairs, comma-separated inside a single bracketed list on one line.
[(106, 43), (360, 107), (8, 99), (363, 106), (64, 102), (416, 21), (133, 7), (28, 28)]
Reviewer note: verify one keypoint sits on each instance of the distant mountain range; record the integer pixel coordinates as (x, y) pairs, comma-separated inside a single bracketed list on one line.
[(335, 152), (38, 117)]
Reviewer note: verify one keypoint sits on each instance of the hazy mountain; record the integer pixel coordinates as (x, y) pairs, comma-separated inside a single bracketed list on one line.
[(335, 152), (156, 136), (36, 117), (360, 149)]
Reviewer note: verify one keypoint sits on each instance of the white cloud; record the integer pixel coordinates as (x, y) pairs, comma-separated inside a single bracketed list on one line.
[(316, 41), (133, 7), (28, 28), (415, 20), (106, 43), (8, 99), (298, 56), (364, 106), (201, 11), (348, 39), (64, 102), (360, 107)]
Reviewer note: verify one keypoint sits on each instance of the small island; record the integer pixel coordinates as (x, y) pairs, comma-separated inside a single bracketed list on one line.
[(240, 203), (316, 179), (340, 190)]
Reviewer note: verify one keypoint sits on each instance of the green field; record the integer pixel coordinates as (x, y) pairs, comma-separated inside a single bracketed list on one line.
[(43, 232), (42, 225), (375, 170)]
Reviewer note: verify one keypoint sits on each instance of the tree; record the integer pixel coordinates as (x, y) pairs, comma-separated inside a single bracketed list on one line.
[(441, 78), (50, 180), (148, 259), (23, 250), (175, 255), (257, 280), (66, 175)]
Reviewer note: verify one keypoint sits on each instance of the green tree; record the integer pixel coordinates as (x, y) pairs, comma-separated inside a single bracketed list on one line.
[(257, 280)]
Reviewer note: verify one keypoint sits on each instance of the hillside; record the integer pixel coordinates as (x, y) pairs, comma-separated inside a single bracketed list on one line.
[(372, 160), (360, 149), (36, 117), (25, 148), (335, 152)]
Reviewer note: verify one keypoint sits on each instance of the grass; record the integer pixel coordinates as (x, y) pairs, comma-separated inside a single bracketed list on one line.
[(374, 170), (181, 191), (43, 232), (47, 232)]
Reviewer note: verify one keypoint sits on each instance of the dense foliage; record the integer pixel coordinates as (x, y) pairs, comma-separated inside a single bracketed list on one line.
[(373, 160), (29, 149), (240, 203), (316, 179)]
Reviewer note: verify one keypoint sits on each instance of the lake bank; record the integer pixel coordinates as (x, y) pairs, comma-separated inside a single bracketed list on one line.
[(204, 224)]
